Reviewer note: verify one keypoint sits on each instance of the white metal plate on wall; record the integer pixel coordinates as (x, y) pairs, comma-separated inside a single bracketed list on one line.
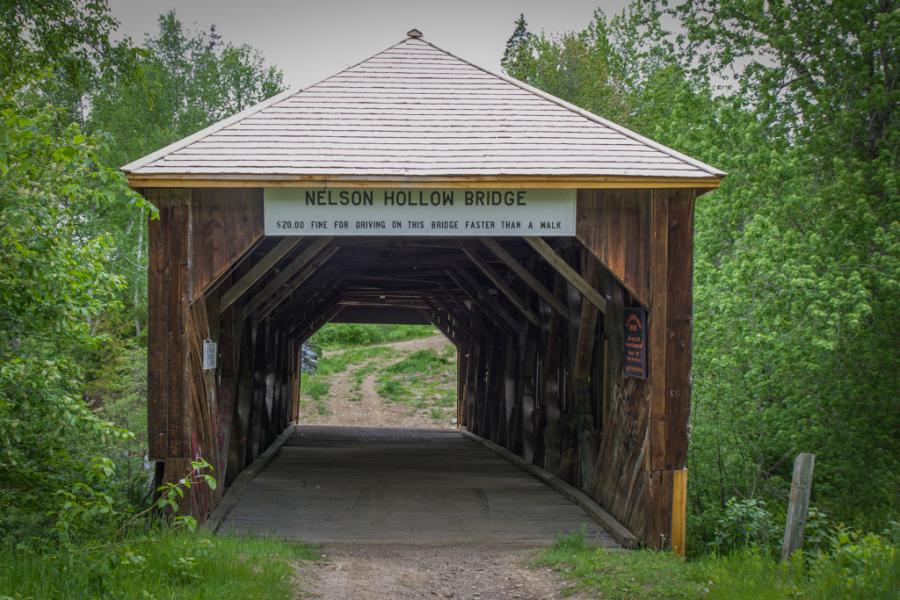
[(419, 212)]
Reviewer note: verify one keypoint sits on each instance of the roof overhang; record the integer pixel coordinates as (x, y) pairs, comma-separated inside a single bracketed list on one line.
[(467, 181)]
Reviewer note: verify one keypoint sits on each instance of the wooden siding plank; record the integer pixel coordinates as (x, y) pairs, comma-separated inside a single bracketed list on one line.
[(656, 337), (679, 325)]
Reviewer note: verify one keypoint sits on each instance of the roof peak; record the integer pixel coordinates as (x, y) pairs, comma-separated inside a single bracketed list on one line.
[(415, 109)]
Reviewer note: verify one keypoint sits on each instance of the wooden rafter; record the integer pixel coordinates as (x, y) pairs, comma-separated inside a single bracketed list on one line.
[(305, 274), (480, 295), (231, 295), (526, 276), (286, 274), (498, 281), (568, 273)]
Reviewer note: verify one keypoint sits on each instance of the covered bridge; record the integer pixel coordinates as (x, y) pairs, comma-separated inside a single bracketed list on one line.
[(551, 246)]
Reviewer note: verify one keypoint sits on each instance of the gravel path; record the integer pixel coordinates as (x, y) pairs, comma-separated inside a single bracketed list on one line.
[(426, 572)]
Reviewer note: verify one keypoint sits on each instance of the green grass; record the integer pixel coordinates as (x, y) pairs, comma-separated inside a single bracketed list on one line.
[(867, 568), (424, 380), (191, 566), (345, 335), (316, 388), (339, 362)]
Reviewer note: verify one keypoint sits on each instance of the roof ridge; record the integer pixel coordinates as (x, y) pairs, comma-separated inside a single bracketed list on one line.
[(587, 114)]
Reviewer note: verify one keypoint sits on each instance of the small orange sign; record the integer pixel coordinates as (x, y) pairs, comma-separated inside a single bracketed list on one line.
[(636, 343)]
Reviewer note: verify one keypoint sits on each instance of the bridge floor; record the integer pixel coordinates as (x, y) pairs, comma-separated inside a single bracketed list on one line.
[(405, 486)]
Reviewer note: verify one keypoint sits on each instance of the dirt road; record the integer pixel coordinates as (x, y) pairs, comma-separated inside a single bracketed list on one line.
[(365, 407), (425, 572)]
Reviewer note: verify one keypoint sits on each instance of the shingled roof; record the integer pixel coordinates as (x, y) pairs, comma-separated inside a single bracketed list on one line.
[(417, 111)]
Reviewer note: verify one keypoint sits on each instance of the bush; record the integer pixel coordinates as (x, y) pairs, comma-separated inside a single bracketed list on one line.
[(335, 335), (744, 524)]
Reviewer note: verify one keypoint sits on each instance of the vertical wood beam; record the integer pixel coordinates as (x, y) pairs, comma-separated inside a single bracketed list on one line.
[(168, 298), (679, 511), (669, 341)]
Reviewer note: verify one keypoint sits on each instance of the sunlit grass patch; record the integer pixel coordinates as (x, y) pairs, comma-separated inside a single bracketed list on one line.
[(424, 380), (345, 335), (165, 565), (867, 567), (315, 388)]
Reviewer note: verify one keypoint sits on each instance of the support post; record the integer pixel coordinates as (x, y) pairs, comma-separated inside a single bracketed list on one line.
[(679, 511), (798, 506)]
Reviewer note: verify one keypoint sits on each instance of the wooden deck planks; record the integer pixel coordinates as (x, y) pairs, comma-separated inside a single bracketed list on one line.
[(386, 485)]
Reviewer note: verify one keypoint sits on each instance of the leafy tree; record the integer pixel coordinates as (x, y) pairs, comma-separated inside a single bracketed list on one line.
[(577, 67), (67, 40), (55, 281), (517, 46), (75, 107), (179, 83)]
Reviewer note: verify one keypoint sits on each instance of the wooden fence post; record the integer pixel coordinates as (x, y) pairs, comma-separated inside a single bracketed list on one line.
[(798, 506)]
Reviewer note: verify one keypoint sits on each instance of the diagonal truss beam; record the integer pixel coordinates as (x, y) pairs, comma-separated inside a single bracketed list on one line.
[(526, 276), (568, 273), (501, 285), (262, 267)]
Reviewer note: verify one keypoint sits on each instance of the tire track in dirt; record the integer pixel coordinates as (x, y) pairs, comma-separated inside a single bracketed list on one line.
[(365, 407)]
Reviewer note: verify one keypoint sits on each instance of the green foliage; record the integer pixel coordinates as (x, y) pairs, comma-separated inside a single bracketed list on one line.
[(343, 335), (797, 255), (854, 566), (744, 524), (316, 388), (73, 254), (179, 82), (160, 564), (617, 574), (55, 282), (572, 66)]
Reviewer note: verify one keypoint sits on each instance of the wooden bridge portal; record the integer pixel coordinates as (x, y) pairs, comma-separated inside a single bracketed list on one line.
[(552, 247)]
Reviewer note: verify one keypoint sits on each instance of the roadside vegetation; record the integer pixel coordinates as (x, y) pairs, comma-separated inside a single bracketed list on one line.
[(345, 335), (842, 566), (161, 564), (796, 276)]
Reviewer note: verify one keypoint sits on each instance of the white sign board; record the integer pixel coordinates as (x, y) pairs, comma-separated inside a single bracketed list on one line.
[(419, 212)]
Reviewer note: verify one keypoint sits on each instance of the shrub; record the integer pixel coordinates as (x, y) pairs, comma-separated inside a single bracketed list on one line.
[(744, 524)]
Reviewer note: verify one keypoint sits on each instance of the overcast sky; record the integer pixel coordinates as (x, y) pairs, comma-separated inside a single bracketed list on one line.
[(312, 40)]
